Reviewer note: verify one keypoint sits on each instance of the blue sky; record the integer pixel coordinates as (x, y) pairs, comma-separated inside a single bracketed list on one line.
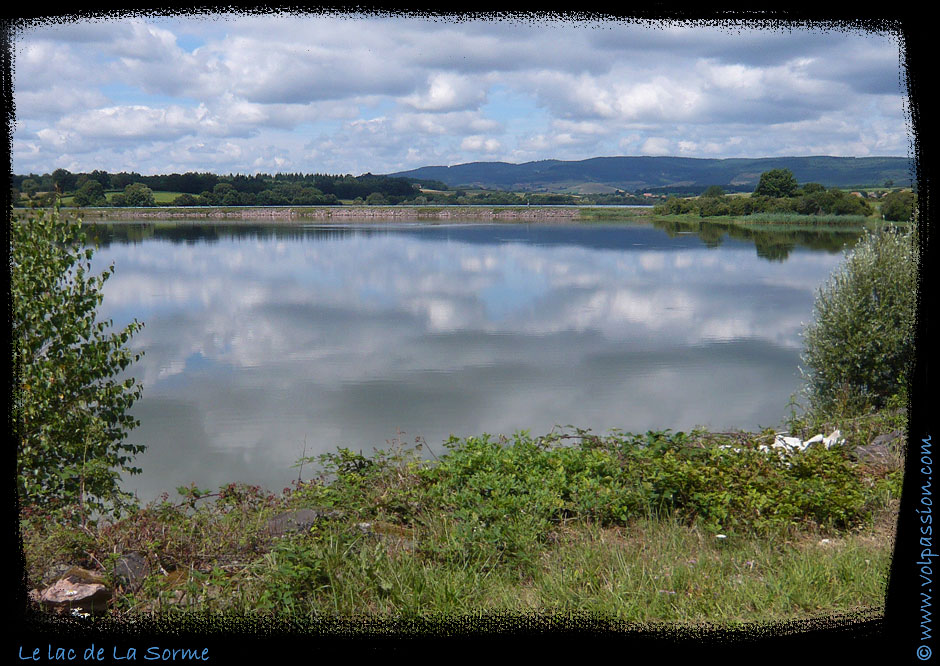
[(348, 93)]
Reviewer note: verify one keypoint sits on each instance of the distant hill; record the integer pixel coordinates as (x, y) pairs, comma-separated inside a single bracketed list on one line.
[(600, 174)]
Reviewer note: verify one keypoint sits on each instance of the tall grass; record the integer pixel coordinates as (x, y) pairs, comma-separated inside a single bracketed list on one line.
[(622, 526), (805, 220)]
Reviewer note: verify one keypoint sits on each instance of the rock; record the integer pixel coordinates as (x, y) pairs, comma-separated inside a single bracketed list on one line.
[(813, 440), (54, 573), (874, 454), (297, 520), (881, 450), (79, 589), (395, 537), (889, 438), (131, 570)]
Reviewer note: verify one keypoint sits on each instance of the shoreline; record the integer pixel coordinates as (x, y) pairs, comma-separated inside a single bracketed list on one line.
[(290, 214)]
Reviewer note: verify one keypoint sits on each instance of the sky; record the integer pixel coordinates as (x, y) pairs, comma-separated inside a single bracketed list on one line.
[(357, 93)]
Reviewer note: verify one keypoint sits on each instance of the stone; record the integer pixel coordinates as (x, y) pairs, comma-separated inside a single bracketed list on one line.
[(874, 454), (54, 573), (889, 438), (79, 589), (296, 521), (131, 569)]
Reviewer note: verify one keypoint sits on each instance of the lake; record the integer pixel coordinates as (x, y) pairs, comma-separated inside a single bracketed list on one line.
[(265, 343)]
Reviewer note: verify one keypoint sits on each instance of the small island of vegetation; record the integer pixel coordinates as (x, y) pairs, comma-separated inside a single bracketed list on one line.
[(779, 198)]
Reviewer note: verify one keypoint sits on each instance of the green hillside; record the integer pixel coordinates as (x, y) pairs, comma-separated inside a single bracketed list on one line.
[(650, 173)]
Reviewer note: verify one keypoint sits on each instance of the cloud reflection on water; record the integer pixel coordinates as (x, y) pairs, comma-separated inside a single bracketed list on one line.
[(254, 344)]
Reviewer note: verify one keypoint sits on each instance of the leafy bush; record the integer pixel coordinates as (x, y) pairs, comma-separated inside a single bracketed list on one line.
[(898, 207), (509, 494), (860, 345), (70, 413)]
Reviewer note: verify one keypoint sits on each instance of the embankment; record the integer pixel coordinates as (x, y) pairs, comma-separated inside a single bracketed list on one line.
[(290, 214)]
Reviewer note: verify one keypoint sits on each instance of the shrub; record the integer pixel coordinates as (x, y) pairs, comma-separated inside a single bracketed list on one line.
[(70, 414), (507, 495), (90, 194), (860, 346), (898, 207), (138, 194)]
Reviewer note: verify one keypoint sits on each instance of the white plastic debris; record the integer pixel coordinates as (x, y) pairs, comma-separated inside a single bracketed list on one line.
[(796, 444), (834, 438), (781, 442)]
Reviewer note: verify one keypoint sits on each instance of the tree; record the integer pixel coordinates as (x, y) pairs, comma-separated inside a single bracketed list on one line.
[(64, 180), (712, 206), (185, 199), (221, 189), (860, 345), (776, 183), (714, 191), (230, 198), (102, 177), (29, 187), (70, 411), (898, 207), (138, 195), (90, 194)]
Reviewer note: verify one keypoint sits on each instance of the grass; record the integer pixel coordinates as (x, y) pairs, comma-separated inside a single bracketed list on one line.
[(595, 214), (650, 570), (657, 527), (806, 220), (614, 526), (780, 221), (165, 198)]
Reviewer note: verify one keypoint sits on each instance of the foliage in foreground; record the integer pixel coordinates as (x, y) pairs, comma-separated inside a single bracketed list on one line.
[(70, 413), (520, 523), (860, 346)]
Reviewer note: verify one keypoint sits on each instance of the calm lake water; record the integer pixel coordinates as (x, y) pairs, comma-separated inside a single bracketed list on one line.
[(263, 342)]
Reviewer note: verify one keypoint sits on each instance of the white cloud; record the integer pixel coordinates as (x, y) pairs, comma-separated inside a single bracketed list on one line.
[(480, 144), (447, 92), (386, 93), (656, 145)]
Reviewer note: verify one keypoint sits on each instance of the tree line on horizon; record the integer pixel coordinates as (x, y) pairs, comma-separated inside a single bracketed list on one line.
[(779, 192), (100, 188), (134, 189)]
